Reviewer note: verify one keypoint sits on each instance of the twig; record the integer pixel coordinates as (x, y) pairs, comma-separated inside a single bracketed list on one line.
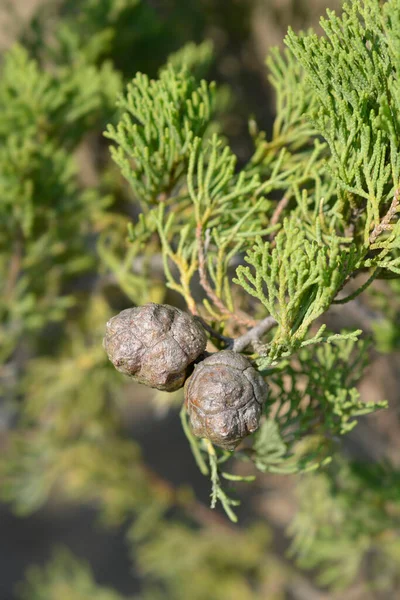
[(240, 343), (280, 207), (212, 332), (356, 212), (360, 289), (253, 334), (208, 289), (378, 229), (195, 450), (258, 329), (385, 223), (14, 269)]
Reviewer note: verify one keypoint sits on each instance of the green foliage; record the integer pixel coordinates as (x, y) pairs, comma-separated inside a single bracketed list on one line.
[(219, 568), (351, 528), (63, 578), (283, 235), (222, 566), (296, 281), (100, 29), (46, 219), (55, 105), (160, 120), (196, 58), (315, 399), (290, 130), (353, 71)]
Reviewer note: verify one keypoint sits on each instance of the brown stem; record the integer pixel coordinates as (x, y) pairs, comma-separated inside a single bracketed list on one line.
[(280, 207), (208, 289), (212, 332), (378, 229), (253, 334), (14, 269), (385, 223), (354, 216)]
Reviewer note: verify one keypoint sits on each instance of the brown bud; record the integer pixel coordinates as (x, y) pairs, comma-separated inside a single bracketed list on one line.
[(224, 398), (154, 344)]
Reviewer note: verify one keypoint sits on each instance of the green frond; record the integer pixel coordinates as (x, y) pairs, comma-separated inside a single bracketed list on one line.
[(160, 119), (313, 399), (296, 281)]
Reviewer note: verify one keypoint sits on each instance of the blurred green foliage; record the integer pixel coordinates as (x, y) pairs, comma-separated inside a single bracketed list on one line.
[(353, 526), (65, 577)]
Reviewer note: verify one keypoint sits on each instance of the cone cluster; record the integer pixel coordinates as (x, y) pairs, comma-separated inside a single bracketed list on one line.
[(163, 347)]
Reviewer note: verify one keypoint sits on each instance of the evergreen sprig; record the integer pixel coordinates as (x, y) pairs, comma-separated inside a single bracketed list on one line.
[(315, 400), (353, 72), (332, 222), (296, 280), (160, 120)]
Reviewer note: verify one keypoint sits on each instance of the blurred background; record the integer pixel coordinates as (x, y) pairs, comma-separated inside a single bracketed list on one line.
[(66, 268)]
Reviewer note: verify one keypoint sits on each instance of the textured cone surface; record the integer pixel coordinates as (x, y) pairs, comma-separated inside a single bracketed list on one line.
[(224, 398), (154, 344)]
